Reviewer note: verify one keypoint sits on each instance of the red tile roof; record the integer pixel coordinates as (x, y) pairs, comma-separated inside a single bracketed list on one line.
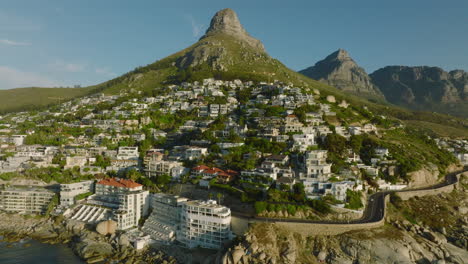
[(209, 171), (214, 170), (122, 183), (201, 167), (217, 169), (232, 172)]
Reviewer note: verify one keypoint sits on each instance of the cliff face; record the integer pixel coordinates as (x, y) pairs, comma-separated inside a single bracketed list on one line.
[(424, 88), (341, 71), (226, 22)]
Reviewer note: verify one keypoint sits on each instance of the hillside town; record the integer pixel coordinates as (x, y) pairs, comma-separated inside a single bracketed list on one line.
[(108, 160)]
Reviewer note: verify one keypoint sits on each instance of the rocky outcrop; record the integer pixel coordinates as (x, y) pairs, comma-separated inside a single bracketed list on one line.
[(226, 22), (423, 87), (215, 48), (88, 245), (341, 71), (426, 176)]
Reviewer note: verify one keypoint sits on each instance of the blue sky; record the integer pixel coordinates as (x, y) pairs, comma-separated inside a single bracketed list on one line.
[(66, 42)]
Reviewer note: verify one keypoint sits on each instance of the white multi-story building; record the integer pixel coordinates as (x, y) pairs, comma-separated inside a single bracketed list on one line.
[(193, 153), (18, 140), (315, 165), (154, 168), (163, 223), (69, 191), (121, 200), (128, 153), (25, 200), (303, 141), (204, 224), (193, 223)]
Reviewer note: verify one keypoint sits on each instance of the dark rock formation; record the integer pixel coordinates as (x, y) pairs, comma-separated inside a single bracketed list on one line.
[(423, 88)]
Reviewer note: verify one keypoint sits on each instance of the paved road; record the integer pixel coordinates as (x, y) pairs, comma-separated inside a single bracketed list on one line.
[(374, 211)]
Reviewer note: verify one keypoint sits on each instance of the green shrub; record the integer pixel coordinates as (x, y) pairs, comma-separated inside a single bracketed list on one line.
[(260, 207), (353, 199)]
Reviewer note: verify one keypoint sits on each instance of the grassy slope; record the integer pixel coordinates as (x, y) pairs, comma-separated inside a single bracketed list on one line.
[(241, 61), (21, 99)]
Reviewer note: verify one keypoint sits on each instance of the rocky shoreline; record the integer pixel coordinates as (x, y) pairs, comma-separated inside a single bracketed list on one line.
[(85, 243)]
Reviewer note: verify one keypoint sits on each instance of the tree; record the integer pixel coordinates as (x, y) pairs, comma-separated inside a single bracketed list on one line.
[(163, 180), (367, 151), (355, 143), (299, 192), (336, 143), (102, 162), (133, 174), (353, 198)]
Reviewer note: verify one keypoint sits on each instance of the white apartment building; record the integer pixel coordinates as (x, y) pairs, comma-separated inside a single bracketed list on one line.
[(18, 140), (69, 191), (121, 200), (292, 124), (128, 153), (154, 168), (315, 165), (193, 223), (163, 223), (193, 153), (303, 141), (25, 200), (204, 224)]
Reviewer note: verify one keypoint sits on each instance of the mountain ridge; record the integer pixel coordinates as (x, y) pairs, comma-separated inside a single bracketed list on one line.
[(421, 88), (424, 88)]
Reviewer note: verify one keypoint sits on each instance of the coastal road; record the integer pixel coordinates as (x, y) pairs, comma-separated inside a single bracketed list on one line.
[(374, 212)]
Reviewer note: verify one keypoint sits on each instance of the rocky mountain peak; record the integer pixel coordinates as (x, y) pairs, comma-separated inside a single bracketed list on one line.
[(340, 54), (340, 70), (226, 22)]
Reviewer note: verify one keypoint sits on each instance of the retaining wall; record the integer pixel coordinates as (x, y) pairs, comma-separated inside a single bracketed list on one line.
[(410, 194), (406, 195)]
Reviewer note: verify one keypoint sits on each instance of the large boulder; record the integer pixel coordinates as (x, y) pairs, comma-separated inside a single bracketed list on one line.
[(106, 227), (124, 241), (237, 254), (75, 226)]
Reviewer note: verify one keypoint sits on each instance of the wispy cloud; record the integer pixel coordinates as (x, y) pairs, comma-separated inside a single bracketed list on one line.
[(197, 28), (105, 71), (13, 43), (13, 78), (60, 65)]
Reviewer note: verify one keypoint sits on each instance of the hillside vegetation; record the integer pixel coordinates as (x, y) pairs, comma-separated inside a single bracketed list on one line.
[(24, 99)]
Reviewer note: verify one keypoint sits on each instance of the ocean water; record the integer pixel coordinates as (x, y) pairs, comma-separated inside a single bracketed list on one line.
[(36, 253)]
